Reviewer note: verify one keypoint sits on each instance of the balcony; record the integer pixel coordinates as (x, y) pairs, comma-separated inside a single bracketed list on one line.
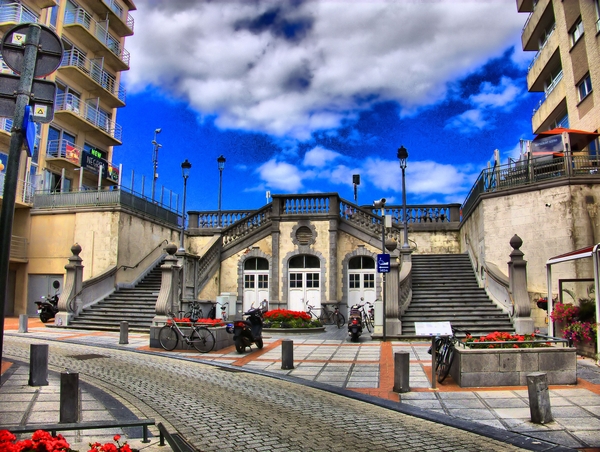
[(555, 100), (525, 6), (547, 61), (88, 119), (119, 20), (542, 17), (97, 38), (90, 75), (5, 131), (63, 154), (15, 13), (25, 191)]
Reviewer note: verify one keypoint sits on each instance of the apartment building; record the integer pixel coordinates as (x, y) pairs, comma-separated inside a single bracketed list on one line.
[(75, 152), (565, 36)]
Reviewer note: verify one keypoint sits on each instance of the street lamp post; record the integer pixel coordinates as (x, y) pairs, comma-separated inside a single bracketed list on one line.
[(221, 163), (356, 183), (185, 172), (403, 156), (157, 146)]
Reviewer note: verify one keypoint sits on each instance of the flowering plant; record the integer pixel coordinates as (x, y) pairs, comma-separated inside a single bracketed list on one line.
[(580, 331), (209, 322), (580, 323), (42, 441), (520, 341), (284, 318), (564, 312)]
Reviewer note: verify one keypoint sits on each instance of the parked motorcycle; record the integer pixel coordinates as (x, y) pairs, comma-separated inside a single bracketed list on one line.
[(354, 323), (249, 331), (48, 307)]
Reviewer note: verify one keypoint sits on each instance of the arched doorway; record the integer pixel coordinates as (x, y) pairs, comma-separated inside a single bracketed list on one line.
[(304, 282), (361, 280), (256, 282)]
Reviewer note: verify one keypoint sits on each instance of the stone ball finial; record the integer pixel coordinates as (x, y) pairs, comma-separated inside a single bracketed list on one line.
[(516, 242), (390, 245), (76, 249), (171, 248)]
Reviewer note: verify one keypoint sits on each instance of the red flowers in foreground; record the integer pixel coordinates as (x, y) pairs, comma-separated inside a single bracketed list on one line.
[(42, 441), (283, 315), (208, 322), (517, 341)]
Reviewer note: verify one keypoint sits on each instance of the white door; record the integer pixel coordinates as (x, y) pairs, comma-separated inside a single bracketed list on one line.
[(361, 280), (256, 282), (304, 282)]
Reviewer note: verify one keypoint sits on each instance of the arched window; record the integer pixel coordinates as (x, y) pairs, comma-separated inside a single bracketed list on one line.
[(304, 261), (361, 262), (256, 263)]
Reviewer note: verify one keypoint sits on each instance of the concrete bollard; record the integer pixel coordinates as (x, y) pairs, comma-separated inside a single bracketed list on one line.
[(124, 333), (287, 354), (401, 372), (38, 365), (539, 398), (23, 323), (69, 397)]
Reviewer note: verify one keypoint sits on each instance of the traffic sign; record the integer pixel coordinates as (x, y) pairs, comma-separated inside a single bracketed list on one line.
[(383, 263), (29, 130), (49, 53), (41, 99)]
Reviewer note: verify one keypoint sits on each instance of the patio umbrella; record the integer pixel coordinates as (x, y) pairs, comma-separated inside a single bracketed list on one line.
[(579, 139)]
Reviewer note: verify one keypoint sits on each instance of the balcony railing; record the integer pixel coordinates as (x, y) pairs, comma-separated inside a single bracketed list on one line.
[(25, 190), (118, 197), (524, 173), (116, 8), (95, 116), (6, 124), (81, 17), (541, 47), (94, 71), (17, 13)]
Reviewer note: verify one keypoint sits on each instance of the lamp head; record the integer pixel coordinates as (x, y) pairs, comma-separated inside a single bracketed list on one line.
[(221, 162), (379, 204), (157, 130), (356, 179), (402, 156), (185, 169)]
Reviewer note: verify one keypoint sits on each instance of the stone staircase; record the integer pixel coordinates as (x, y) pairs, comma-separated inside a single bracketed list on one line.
[(135, 306), (445, 289)]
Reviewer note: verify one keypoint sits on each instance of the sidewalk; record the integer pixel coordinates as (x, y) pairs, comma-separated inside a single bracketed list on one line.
[(365, 367)]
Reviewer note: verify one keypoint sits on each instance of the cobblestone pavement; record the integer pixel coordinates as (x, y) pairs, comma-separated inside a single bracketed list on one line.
[(216, 409)]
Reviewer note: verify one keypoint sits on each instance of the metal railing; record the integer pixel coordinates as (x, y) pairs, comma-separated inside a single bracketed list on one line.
[(94, 70), (524, 173), (17, 13), (118, 10), (95, 116), (25, 190), (118, 197), (81, 17)]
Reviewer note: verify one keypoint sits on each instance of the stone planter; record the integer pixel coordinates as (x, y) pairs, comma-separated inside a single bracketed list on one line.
[(222, 338), (509, 367)]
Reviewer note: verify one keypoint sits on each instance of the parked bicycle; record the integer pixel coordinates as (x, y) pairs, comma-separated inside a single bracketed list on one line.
[(200, 337), (325, 317), (445, 347), (194, 312), (367, 315), (338, 317)]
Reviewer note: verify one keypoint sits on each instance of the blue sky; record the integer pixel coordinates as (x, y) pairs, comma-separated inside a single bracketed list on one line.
[(300, 95)]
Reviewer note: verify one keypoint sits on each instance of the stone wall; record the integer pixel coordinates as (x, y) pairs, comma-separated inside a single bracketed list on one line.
[(509, 367)]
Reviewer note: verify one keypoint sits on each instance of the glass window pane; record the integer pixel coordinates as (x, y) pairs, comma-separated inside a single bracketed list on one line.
[(312, 262), (262, 263)]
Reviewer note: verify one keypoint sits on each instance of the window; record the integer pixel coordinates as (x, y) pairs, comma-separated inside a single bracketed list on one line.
[(304, 261), (361, 262), (256, 263), (576, 32), (53, 16), (585, 87), (57, 142)]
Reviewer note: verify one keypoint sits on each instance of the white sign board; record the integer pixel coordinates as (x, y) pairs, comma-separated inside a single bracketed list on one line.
[(433, 329)]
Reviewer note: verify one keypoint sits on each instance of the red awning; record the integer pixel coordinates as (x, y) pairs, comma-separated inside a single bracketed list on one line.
[(573, 255)]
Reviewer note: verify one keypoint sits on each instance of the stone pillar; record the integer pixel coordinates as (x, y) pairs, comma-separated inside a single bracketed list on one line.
[(517, 285), (332, 280), (69, 302), (393, 326), (168, 296)]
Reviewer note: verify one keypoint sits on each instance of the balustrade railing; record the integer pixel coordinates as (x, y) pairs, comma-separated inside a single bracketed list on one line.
[(247, 225), (303, 204)]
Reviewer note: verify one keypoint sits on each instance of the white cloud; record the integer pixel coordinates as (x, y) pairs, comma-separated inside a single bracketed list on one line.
[(280, 176), (467, 122), (320, 156), (290, 68)]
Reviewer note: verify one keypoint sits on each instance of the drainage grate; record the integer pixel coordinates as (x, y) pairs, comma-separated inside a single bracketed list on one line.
[(229, 369), (88, 356)]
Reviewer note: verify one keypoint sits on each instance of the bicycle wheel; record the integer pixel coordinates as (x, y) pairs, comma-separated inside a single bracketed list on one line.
[(168, 337), (340, 320), (202, 339), (446, 361), (328, 318), (368, 323)]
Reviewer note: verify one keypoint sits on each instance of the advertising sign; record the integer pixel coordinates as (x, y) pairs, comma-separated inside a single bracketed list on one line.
[(93, 164), (547, 146), (72, 154)]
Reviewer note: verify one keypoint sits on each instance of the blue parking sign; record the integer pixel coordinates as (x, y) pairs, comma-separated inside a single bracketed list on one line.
[(383, 263)]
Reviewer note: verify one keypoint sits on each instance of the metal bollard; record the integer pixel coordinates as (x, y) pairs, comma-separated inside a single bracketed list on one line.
[(401, 372), (38, 365), (23, 323), (124, 333), (69, 397), (539, 398), (287, 354)]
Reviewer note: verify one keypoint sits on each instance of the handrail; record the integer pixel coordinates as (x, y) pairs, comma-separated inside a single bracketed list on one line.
[(165, 241)]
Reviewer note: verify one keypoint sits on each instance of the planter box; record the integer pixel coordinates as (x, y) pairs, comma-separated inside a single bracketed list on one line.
[(509, 367), (587, 348), (222, 338)]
